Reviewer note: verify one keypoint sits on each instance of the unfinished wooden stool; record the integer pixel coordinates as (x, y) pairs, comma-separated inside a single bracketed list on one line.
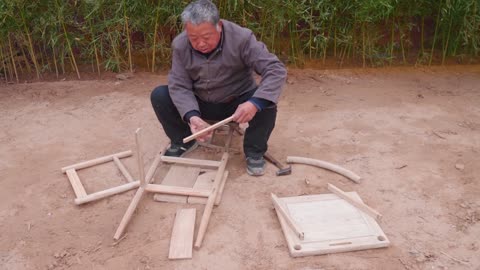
[(146, 186)]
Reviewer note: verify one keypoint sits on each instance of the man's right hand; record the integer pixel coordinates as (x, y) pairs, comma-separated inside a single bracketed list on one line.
[(196, 125)]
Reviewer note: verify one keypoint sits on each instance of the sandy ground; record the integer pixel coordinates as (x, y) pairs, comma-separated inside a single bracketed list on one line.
[(411, 133)]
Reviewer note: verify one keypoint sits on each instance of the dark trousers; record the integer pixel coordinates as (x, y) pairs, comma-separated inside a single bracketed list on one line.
[(256, 135)]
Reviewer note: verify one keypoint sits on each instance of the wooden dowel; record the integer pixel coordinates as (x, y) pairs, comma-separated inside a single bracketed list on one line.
[(211, 201), (205, 130), (141, 168), (122, 169), (107, 192), (173, 190), (192, 162), (154, 166), (76, 184), (325, 165), (229, 139), (294, 226), (96, 161), (128, 214), (220, 190), (290, 237), (358, 204)]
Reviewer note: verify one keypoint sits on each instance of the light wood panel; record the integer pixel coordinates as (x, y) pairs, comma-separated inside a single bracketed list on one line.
[(179, 176), (330, 225), (181, 242)]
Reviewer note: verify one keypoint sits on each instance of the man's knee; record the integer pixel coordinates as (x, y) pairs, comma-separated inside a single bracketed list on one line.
[(160, 95)]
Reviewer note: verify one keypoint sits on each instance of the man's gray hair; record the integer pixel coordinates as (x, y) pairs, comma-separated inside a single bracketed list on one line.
[(201, 11)]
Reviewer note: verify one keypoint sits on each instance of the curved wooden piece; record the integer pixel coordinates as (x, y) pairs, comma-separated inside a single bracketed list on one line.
[(325, 165)]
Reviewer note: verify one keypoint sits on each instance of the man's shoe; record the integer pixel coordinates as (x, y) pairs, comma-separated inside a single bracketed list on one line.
[(255, 166), (177, 150)]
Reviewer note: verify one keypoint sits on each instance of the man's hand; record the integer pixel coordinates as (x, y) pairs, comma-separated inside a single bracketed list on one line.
[(197, 124), (245, 112)]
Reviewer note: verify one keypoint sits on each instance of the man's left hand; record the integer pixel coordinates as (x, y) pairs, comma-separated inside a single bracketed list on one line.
[(245, 112)]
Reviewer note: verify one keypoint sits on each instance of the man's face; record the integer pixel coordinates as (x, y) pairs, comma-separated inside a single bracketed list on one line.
[(204, 37)]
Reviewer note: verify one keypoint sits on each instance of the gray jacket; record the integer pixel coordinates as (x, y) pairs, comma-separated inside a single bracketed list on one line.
[(226, 73)]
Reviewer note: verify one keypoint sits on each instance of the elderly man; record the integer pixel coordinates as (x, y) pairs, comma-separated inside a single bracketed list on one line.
[(211, 78)]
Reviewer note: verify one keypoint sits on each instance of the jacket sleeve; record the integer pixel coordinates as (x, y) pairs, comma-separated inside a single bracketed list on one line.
[(256, 55), (180, 85)]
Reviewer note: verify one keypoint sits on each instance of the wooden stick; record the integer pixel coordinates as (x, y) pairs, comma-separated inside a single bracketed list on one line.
[(154, 166), (128, 214), (325, 165), (222, 186), (96, 161), (192, 162), (107, 192), (185, 191), (211, 201), (291, 237), (293, 225), (181, 240), (76, 184), (358, 204), (141, 168), (122, 169), (205, 130)]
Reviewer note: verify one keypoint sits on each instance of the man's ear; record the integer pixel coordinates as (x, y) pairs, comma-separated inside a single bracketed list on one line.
[(219, 26)]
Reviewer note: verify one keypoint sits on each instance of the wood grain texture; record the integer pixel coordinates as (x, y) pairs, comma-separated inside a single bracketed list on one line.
[(205, 182), (192, 162), (179, 176), (181, 241), (76, 184), (330, 225)]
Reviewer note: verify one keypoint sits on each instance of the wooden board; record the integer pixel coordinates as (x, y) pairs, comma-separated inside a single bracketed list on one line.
[(330, 225), (181, 242), (180, 176), (205, 182)]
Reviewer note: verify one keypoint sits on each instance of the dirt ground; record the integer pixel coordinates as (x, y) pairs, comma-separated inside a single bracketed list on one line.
[(411, 133)]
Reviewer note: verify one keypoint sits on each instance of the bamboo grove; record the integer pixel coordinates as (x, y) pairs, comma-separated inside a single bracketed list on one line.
[(76, 36)]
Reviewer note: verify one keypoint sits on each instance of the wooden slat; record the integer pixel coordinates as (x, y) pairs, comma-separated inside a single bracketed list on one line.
[(141, 166), (193, 162), (331, 225), (107, 192), (129, 213), (178, 176), (360, 205), (96, 161), (211, 201), (205, 130), (76, 184), (205, 182), (122, 169), (177, 190), (181, 242), (281, 209)]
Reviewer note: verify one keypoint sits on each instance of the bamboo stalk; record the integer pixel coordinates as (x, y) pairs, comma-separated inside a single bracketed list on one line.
[(31, 48), (129, 45), (12, 58)]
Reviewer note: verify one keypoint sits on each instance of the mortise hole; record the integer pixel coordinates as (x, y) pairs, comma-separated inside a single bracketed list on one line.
[(381, 238)]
